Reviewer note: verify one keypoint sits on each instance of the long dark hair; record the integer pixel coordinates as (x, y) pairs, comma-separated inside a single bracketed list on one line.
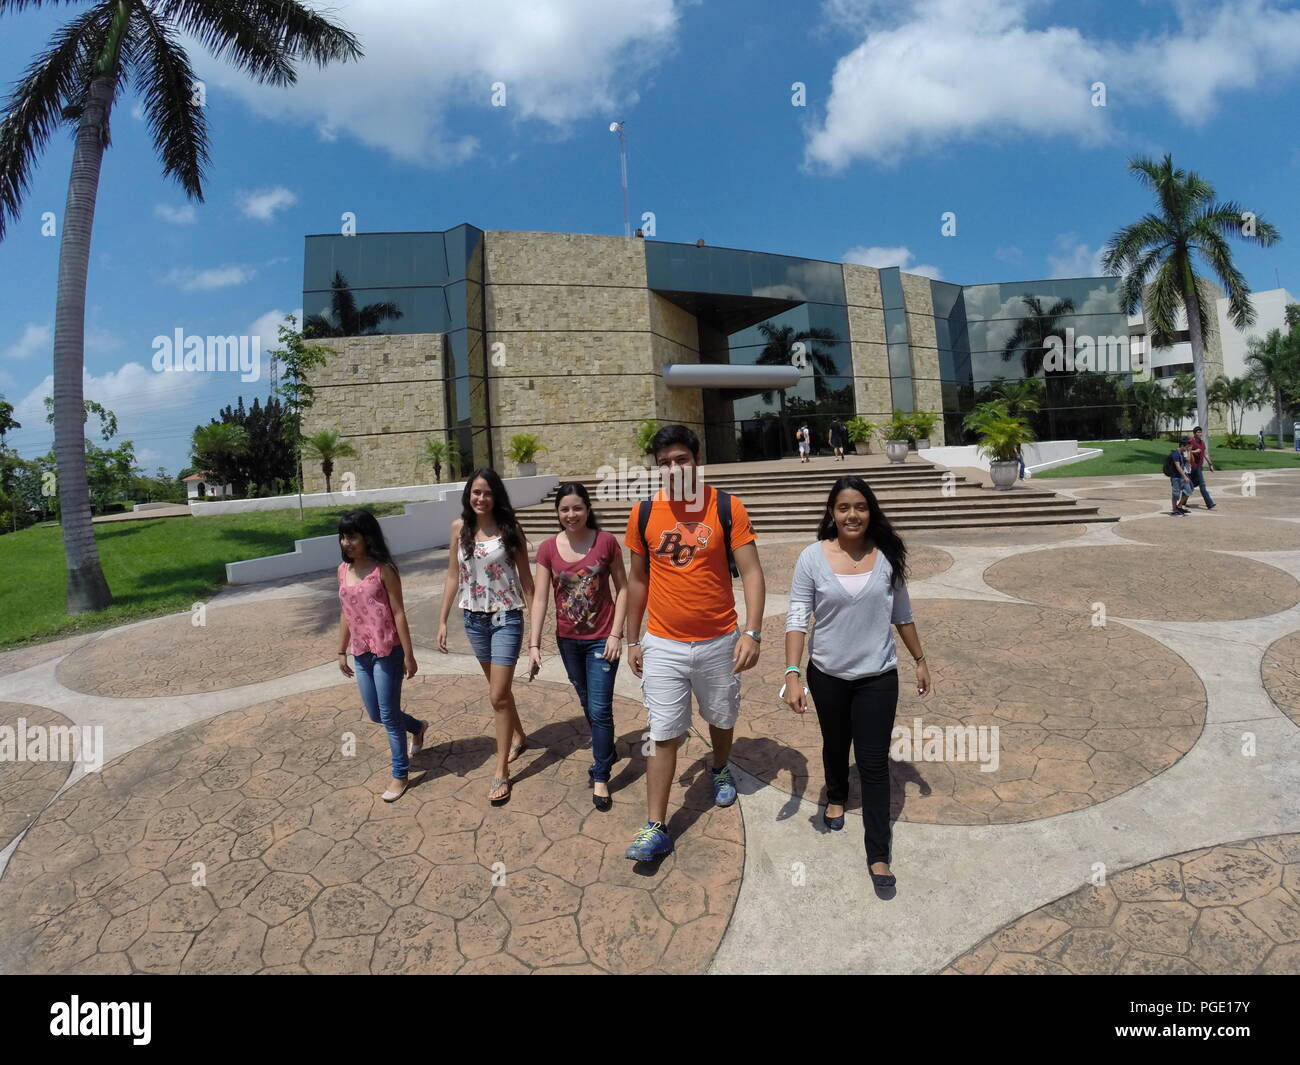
[(575, 488), (367, 526), (512, 537), (879, 531)]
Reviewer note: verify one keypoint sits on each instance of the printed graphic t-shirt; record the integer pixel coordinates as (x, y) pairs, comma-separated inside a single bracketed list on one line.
[(690, 584), (584, 606)]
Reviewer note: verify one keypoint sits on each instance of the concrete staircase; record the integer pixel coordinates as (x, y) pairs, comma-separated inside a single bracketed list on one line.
[(790, 498)]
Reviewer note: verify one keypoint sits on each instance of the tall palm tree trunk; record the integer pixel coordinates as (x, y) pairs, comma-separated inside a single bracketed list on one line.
[(87, 588), (1192, 305)]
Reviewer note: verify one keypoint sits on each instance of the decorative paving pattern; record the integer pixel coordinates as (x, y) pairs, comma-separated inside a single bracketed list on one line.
[(25, 787), (1147, 582), (779, 559), (305, 869), (1002, 536), (1281, 674), (172, 656), (1240, 534), (1232, 909), (1060, 690), (21, 658)]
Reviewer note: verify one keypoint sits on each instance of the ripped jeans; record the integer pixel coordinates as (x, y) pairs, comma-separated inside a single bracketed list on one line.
[(593, 679)]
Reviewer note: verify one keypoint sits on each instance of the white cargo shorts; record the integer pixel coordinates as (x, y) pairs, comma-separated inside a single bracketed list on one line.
[(672, 669)]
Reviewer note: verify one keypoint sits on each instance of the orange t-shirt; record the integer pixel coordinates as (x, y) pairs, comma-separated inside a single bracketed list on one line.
[(690, 584)]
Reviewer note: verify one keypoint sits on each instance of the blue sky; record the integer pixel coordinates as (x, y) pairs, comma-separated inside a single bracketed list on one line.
[(979, 107)]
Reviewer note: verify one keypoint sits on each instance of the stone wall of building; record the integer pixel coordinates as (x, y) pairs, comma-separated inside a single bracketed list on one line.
[(867, 334), (383, 394), (579, 366), (927, 390)]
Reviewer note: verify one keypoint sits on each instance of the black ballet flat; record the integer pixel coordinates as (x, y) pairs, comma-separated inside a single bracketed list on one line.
[(833, 823), (882, 880), (602, 802)]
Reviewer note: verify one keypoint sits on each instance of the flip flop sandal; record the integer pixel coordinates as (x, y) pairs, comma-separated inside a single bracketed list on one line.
[(516, 749), (498, 782)]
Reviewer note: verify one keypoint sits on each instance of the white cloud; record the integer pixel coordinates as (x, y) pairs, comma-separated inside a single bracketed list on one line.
[(267, 327), (192, 280), (928, 73), (883, 257), (1009, 253), (263, 204), (1073, 258), (561, 61), (34, 339), (177, 216)]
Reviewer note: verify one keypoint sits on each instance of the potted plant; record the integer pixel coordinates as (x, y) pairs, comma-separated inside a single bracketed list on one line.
[(1001, 435), (438, 453), (897, 433), (523, 451), (860, 432), (923, 423)]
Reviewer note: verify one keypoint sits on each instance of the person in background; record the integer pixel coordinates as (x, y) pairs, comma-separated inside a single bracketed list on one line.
[(1176, 463), (580, 564), (853, 581), (1259, 439), (1200, 459), (838, 438), (373, 627), (804, 439), (488, 564)]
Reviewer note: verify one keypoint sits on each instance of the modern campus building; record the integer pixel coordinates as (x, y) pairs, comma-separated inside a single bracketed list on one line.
[(481, 335)]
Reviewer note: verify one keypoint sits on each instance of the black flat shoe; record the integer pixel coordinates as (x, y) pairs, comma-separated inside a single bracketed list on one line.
[(883, 880), (602, 802), (833, 823)]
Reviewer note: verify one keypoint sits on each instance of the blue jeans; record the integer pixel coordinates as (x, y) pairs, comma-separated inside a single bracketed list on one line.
[(495, 638), (380, 681), (593, 678), (1197, 480)]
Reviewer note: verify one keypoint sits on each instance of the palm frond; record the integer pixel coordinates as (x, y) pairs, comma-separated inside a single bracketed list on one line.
[(56, 80), (165, 80)]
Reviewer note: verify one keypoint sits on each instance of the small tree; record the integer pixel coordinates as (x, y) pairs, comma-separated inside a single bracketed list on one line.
[(437, 453), (324, 447), (296, 394)]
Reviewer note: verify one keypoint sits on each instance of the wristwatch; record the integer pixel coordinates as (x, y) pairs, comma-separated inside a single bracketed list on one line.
[(754, 635)]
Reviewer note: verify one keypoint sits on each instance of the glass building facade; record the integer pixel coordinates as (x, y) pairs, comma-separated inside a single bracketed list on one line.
[(376, 283), (764, 310)]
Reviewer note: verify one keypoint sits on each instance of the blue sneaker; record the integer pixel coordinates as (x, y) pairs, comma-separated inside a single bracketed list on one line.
[(724, 788), (651, 842)]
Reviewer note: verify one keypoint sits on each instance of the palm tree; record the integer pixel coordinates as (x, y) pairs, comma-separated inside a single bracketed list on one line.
[(1234, 394), (326, 446), (1163, 247), (346, 319), (76, 82), (1148, 402), (1274, 362), (217, 448), (437, 453)]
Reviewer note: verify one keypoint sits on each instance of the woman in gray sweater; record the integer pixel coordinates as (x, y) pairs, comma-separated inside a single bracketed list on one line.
[(853, 581)]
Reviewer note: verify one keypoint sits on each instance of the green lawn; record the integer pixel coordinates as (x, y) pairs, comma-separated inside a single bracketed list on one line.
[(155, 566), (1148, 456)]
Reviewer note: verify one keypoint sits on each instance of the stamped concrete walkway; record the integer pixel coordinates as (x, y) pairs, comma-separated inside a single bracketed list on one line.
[(1143, 677)]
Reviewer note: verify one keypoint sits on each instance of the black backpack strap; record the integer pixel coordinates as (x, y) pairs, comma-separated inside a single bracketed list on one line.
[(724, 516), (642, 523)]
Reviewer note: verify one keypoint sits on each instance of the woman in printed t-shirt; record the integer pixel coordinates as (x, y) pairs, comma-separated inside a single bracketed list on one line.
[(489, 567), (578, 564)]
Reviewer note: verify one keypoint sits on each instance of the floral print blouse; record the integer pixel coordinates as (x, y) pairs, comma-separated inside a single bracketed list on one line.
[(488, 581)]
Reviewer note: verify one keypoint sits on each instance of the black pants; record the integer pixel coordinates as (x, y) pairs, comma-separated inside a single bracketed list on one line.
[(861, 713)]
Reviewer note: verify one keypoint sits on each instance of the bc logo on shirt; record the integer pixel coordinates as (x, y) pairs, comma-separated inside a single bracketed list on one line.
[(680, 543)]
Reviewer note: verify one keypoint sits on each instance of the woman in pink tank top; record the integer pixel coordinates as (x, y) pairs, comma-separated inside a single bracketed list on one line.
[(373, 628)]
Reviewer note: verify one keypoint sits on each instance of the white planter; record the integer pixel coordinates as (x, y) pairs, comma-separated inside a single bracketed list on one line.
[(896, 450), (1005, 473), (922, 441), (527, 469)]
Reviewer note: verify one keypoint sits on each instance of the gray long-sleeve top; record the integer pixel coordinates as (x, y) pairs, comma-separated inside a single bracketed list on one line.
[(853, 636)]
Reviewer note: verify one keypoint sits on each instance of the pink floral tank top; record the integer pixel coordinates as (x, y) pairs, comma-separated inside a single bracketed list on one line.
[(369, 614)]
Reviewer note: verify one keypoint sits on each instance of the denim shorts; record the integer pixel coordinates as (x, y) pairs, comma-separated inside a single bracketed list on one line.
[(495, 638), (1179, 486)]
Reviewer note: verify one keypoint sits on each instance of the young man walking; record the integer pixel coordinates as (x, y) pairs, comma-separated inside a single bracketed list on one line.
[(803, 439), (1176, 469), (838, 438), (680, 572), (1200, 458)]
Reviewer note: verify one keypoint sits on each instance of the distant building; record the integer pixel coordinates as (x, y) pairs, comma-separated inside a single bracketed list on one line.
[(479, 335), (202, 486)]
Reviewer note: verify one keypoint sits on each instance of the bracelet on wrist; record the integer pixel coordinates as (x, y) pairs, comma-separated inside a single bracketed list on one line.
[(919, 660), (793, 669)]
